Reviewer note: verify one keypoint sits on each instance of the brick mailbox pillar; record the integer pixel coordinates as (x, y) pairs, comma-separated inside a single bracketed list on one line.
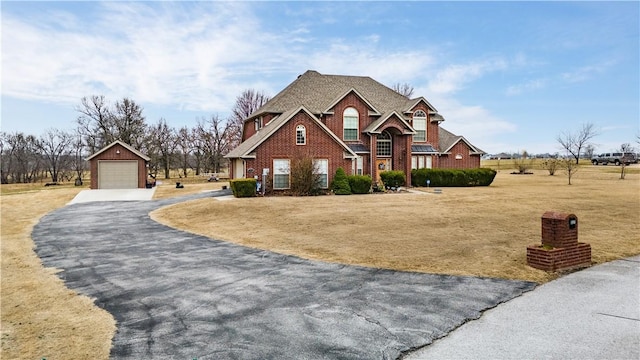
[(560, 248)]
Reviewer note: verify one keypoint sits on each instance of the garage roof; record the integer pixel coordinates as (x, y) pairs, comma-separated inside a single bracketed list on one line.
[(126, 146)]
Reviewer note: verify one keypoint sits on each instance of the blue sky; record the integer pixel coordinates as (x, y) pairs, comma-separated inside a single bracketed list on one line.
[(507, 75)]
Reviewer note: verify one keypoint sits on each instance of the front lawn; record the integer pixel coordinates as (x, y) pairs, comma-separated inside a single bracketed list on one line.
[(480, 231)]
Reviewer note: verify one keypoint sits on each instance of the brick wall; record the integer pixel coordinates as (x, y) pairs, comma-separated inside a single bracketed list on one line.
[(467, 162), (433, 129), (334, 121), (282, 145), (577, 255)]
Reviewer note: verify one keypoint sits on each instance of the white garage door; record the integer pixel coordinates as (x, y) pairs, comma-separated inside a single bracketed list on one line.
[(117, 174)]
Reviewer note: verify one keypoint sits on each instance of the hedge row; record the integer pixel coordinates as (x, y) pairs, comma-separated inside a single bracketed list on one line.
[(243, 187), (452, 177)]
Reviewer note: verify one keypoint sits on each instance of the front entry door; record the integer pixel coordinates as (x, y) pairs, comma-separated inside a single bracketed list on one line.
[(382, 165)]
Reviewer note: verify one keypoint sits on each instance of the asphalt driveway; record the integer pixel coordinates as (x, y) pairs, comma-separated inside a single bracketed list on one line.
[(179, 295)]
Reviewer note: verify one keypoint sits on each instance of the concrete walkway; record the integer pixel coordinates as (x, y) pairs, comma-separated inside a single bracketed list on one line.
[(113, 195), (177, 295), (590, 314)]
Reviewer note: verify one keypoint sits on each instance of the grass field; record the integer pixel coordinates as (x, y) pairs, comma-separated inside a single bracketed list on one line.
[(463, 231), (466, 231)]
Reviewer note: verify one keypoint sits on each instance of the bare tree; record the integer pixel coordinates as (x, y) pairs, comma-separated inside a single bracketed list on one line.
[(573, 143), (246, 104), (626, 148), (589, 149), (101, 124), (21, 160), (129, 123), (551, 164), (95, 122), (403, 89), (215, 140), (184, 146), (78, 162), (55, 148), (523, 162), (570, 168), (161, 147)]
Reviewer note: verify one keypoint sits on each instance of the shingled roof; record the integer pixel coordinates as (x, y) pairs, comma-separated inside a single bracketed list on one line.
[(318, 92), (446, 141)]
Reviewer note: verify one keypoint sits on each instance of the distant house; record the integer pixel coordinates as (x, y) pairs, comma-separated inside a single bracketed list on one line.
[(351, 122)]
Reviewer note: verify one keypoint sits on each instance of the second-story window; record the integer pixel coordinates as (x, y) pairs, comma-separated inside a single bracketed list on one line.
[(301, 135), (258, 123), (350, 124), (420, 125)]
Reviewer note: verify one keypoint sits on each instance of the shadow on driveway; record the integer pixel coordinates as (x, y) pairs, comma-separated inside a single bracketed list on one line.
[(179, 295)]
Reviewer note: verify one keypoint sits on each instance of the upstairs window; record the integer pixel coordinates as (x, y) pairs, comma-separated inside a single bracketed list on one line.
[(350, 124), (258, 123), (420, 125), (301, 135)]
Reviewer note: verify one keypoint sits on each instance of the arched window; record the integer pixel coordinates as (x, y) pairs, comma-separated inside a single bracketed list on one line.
[(420, 125), (383, 144), (350, 124), (301, 135)]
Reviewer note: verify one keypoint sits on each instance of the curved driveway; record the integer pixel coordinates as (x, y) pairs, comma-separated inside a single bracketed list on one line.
[(184, 296)]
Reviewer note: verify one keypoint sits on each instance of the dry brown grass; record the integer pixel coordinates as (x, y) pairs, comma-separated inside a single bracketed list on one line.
[(167, 188), (41, 318), (463, 231)]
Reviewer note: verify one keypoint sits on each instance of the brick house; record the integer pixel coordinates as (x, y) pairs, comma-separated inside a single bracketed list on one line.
[(352, 122)]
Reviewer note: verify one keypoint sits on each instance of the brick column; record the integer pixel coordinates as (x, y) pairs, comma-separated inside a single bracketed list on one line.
[(407, 161)]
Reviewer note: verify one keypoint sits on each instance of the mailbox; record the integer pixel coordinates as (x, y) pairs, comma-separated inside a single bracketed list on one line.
[(559, 229)]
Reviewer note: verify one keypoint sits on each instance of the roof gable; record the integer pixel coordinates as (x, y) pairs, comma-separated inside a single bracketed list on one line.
[(249, 145), (372, 109), (126, 146), (375, 126), (414, 102), (448, 140)]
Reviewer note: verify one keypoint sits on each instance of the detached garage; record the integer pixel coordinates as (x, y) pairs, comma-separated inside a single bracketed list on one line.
[(118, 166)]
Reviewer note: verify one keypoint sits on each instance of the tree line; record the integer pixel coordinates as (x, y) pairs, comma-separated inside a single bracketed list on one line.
[(60, 155)]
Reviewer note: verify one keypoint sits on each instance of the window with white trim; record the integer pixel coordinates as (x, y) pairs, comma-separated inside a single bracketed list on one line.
[(421, 162), (301, 135), (281, 174), (258, 123), (359, 165), (420, 125), (383, 144), (350, 124), (321, 168)]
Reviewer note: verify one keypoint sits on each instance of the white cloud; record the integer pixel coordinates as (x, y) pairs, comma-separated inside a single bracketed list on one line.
[(200, 56), (526, 87), (586, 72), (454, 77)]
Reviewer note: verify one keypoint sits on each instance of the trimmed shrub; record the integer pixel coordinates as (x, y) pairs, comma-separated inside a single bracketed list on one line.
[(453, 177), (394, 178), (243, 187), (360, 184), (340, 184)]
